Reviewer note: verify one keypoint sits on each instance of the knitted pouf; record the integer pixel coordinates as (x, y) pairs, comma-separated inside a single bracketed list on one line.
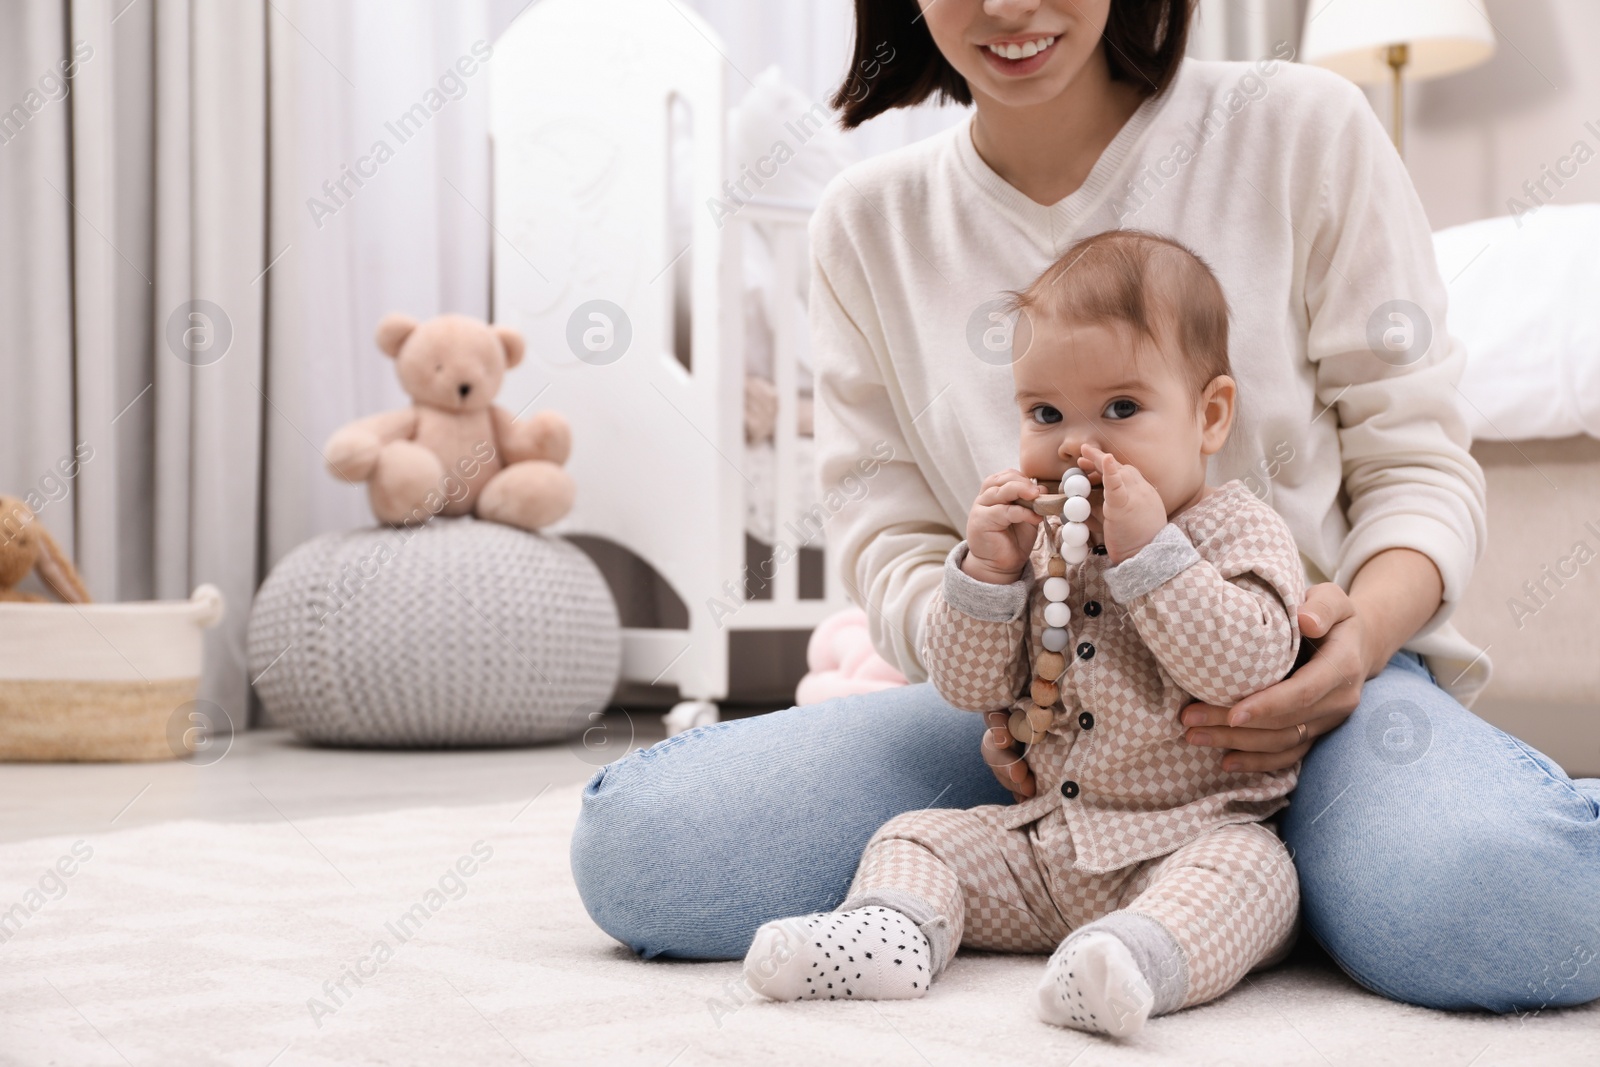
[(458, 632)]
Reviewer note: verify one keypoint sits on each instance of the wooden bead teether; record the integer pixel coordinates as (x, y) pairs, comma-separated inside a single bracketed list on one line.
[(1065, 506)]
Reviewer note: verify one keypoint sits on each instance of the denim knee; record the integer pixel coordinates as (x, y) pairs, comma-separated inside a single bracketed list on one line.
[(624, 823), (685, 848), (1441, 863)]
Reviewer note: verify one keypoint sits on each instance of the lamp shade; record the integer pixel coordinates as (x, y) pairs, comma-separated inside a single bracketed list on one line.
[(1350, 37)]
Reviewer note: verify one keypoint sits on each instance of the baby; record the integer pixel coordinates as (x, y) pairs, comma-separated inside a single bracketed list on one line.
[(1142, 863)]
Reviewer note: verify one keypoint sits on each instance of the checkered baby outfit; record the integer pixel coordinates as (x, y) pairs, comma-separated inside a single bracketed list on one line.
[(1128, 815), (1227, 899)]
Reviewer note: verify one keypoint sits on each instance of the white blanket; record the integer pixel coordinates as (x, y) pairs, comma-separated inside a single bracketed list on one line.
[(1525, 300)]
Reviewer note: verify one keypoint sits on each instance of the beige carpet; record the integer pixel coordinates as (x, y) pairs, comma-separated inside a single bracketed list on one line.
[(195, 942)]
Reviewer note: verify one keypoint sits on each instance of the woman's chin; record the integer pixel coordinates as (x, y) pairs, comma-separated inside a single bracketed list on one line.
[(1023, 93)]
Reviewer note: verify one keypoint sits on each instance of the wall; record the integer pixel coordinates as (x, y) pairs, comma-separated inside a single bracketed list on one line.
[(1474, 138)]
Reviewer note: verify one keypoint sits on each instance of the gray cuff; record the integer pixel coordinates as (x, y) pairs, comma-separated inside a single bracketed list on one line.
[(1154, 949), (934, 926), (984, 600), (1167, 555)]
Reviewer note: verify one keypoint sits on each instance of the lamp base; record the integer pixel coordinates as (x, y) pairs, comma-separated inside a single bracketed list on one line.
[(1397, 55)]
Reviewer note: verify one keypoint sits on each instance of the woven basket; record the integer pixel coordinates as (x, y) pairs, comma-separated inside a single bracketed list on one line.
[(101, 681)]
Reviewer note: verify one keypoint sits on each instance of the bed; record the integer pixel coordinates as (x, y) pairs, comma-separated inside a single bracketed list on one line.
[(1523, 299)]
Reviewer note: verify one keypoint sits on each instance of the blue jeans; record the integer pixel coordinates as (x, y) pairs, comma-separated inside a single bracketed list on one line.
[(1442, 862)]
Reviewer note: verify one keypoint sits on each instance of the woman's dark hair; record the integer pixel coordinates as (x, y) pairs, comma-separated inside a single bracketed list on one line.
[(896, 64)]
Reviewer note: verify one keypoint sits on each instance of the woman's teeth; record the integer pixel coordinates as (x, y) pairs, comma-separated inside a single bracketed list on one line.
[(1022, 51)]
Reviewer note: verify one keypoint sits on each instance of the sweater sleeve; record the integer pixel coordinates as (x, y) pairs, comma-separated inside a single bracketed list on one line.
[(888, 534), (1387, 365), (975, 637), (1222, 628)]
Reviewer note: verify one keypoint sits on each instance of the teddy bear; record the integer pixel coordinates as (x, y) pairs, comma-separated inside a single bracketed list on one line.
[(25, 545), (453, 451)]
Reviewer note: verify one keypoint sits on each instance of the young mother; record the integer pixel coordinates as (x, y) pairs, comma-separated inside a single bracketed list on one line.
[(1442, 862)]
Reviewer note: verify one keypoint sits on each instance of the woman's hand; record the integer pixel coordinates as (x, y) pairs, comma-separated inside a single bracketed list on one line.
[(1004, 757), (1002, 528), (1263, 727), (1391, 597)]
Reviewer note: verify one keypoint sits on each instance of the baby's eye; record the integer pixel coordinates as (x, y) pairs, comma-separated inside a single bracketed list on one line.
[(1044, 413), (1121, 409)]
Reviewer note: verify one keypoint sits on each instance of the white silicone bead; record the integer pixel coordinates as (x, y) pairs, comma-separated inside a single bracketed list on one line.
[(1074, 533), (1057, 589), (1056, 614), (1054, 638), (1075, 485), (1075, 553), (1075, 508)]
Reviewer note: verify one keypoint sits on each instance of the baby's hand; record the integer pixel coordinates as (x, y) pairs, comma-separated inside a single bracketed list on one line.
[(1001, 528), (1132, 512)]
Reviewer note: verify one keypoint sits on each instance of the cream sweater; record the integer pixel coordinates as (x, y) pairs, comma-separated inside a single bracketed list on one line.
[(1282, 179)]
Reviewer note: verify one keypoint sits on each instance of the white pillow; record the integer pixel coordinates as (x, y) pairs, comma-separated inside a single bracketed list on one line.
[(1525, 301)]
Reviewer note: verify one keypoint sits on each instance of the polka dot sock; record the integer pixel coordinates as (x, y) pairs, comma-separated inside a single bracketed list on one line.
[(871, 953), (1092, 983)]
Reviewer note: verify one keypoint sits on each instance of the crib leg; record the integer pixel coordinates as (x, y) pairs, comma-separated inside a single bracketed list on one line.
[(687, 714)]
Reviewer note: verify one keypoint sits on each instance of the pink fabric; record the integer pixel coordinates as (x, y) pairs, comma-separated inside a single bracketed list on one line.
[(842, 661)]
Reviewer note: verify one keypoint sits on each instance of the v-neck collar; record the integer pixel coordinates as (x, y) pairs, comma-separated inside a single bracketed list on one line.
[(1063, 215)]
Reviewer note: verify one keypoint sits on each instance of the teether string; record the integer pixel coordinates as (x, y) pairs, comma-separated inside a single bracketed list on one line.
[(1067, 538)]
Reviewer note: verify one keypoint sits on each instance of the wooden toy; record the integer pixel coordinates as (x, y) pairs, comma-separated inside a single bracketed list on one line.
[(1065, 506)]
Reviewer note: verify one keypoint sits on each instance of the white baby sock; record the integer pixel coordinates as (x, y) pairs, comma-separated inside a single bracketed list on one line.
[(1093, 984), (871, 953)]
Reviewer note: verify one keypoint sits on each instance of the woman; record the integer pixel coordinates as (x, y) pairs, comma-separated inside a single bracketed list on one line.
[(1442, 862)]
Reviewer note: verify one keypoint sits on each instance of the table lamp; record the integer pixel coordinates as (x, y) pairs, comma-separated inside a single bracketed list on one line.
[(1373, 41)]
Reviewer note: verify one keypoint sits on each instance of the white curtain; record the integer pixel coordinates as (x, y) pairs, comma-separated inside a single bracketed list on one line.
[(36, 264), (412, 237), (1246, 29), (172, 304), (138, 188)]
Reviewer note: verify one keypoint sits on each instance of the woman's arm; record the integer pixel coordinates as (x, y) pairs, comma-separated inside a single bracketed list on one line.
[(1394, 594), (889, 534), (1386, 368), (1355, 635)]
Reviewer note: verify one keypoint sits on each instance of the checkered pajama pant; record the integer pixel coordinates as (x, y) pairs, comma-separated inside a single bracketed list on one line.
[(1229, 897)]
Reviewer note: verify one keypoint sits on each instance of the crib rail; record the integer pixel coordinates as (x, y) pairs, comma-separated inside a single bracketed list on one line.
[(784, 223)]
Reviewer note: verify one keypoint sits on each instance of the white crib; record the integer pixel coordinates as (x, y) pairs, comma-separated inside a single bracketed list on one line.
[(589, 205)]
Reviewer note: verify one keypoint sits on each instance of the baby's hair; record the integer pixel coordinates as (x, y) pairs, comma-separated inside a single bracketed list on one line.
[(1146, 281)]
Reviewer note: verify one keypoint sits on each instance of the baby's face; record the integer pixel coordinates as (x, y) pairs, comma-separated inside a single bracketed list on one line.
[(1080, 384)]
